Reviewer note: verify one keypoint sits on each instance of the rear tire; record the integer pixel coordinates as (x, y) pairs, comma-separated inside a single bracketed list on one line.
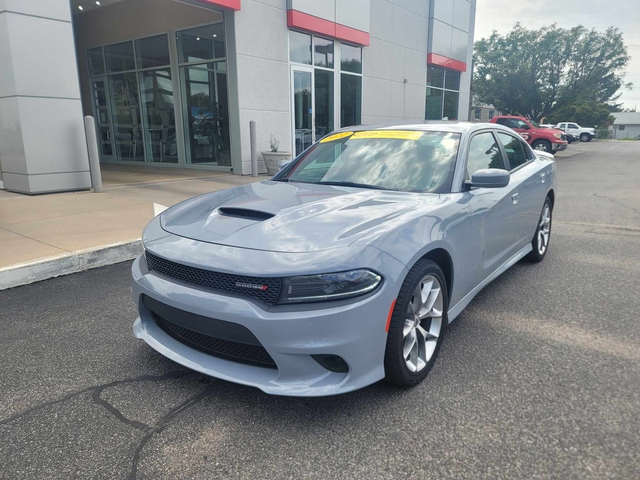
[(585, 137), (540, 242), (417, 327), (542, 145)]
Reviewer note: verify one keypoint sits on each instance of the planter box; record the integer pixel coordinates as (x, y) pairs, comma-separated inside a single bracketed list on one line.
[(274, 160)]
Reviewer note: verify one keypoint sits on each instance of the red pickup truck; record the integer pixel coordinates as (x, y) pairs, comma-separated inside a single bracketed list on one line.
[(546, 139)]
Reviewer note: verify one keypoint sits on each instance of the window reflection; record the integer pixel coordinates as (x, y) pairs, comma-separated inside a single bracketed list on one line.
[(201, 43), (422, 165), (159, 115)]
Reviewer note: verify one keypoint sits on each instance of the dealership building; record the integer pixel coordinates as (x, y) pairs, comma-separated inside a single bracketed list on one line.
[(175, 83)]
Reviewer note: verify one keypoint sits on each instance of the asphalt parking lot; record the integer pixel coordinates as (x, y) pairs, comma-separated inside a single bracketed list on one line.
[(538, 378)]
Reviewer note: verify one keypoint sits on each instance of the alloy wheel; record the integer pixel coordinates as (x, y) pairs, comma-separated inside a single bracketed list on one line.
[(544, 230), (423, 324), (541, 147)]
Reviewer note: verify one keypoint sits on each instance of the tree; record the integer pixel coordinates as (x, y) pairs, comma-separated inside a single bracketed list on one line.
[(538, 72), (583, 113)]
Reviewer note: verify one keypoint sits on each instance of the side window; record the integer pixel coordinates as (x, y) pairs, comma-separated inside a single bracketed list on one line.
[(483, 153), (502, 121), (515, 151)]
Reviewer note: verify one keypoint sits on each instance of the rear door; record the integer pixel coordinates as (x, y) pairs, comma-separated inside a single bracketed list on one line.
[(530, 188)]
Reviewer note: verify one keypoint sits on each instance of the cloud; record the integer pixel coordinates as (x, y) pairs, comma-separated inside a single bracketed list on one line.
[(502, 15)]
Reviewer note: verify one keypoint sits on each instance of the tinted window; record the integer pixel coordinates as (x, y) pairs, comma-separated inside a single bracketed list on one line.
[(435, 76), (201, 43), (502, 121), (515, 150), (152, 52), (323, 56), (120, 57), (299, 47), (397, 160), (351, 58), (573, 126), (483, 153), (350, 99), (452, 80), (96, 62)]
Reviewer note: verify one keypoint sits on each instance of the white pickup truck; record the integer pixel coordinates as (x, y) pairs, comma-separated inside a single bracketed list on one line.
[(584, 134)]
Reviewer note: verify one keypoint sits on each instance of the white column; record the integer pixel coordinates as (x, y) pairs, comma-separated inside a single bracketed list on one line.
[(42, 140)]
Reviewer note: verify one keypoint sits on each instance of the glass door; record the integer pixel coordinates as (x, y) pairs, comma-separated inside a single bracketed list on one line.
[(127, 121), (103, 120), (302, 102)]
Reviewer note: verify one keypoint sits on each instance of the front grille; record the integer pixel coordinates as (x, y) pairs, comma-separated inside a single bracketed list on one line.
[(238, 352), (266, 289)]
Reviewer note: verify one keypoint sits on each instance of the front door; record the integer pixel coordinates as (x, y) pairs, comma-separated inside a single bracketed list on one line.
[(312, 104), (103, 120)]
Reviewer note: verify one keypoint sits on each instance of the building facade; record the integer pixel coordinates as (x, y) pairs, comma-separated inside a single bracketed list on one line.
[(626, 125), (176, 82)]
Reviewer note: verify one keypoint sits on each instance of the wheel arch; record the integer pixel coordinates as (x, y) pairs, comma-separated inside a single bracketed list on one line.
[(552, 196), (442, 258)]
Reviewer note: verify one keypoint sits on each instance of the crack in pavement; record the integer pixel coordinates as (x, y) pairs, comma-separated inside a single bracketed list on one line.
[(142, 378), (148, 430), (617, 202), (161, 424)]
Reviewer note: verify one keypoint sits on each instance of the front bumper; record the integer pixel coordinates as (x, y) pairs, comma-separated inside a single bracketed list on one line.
[(558, 147), (354, 331)]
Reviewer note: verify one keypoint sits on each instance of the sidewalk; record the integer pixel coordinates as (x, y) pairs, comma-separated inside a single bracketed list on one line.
[(33, 228)]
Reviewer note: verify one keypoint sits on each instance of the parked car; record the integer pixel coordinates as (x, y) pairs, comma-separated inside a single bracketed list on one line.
[(347, 266), (569, 137), (544, 139), (584, 134)]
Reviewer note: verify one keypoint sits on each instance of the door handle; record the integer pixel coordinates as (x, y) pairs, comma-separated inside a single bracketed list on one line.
[(542, 178), (109, 134), (514, 198)]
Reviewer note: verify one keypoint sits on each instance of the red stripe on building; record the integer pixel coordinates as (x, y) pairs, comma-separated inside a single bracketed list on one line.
[(446, 62), (311, 23), (230, 4)]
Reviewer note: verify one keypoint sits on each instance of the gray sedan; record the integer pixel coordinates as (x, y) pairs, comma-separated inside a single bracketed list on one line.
[(348, 265)]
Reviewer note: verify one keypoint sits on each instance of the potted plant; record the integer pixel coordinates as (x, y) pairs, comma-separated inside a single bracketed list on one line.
[(274, 159)]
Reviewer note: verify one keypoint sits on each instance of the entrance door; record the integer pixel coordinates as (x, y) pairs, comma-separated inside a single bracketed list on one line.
[(103, 120), (302, 102)]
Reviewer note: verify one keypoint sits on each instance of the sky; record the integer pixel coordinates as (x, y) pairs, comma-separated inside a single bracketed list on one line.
[(502, 15)]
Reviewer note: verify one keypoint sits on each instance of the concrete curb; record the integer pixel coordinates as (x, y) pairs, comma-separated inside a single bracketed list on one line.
[(30, 272)]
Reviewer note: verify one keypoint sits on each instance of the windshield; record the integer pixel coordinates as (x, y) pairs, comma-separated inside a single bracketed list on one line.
[(409, 161)]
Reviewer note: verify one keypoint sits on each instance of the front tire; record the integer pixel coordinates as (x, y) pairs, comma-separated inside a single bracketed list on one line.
[(585, 137), (542, 145), (541, 239), (417, 326)]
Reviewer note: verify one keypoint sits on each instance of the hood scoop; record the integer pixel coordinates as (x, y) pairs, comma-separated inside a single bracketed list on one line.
[(245, 213)]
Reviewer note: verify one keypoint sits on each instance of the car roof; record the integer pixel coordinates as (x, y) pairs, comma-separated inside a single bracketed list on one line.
[(449, 127)]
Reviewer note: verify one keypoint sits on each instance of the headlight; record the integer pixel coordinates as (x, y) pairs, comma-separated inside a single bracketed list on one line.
[(329, 286), (557, 135)]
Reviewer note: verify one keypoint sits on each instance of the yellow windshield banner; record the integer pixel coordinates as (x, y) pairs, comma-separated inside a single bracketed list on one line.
[(337, 136), (395, 134)]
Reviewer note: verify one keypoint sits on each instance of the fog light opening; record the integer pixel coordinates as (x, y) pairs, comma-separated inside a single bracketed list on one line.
[(333, 363)]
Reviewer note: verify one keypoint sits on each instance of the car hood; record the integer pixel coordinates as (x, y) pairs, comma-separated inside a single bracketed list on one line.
[(291, 217)]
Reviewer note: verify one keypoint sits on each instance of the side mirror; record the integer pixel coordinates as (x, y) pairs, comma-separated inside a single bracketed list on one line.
[(490, 178)]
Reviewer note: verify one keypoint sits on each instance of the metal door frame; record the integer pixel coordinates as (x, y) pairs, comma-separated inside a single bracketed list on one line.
[(309, 70)]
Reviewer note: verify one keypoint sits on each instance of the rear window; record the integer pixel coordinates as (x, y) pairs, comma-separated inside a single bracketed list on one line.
[(412, 161), (516, 151)]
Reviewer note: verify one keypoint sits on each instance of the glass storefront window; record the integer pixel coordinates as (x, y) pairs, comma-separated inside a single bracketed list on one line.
[(350, 99), (351, 58), (206, 113), (434, 104), (153, 52), (452, 80), (323, 52), (299, 47), (156, 92), (127, 126), (119, 57), (324, 102), (435, 76), (201, 43), (96, 61), (443, 87), (450, 108)]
